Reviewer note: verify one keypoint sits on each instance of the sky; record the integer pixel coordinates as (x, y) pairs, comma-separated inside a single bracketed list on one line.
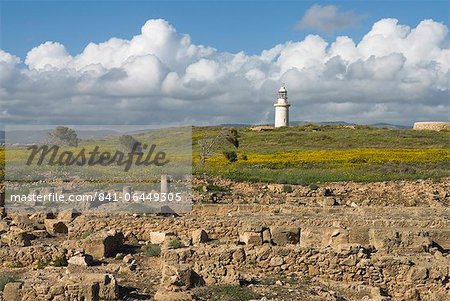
[(212, 62)]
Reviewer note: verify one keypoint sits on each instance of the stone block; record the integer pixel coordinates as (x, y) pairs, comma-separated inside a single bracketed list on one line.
[(251, 238), (158, 238), (384, 239), (359, 235), (108, 287), (104, 244), (68, 215), (311, 237), (13, 291), (282, 236), (56, 226), (334, 237), (266, 237), (81, 259), (17, 239), (177, 275), (199, 236)]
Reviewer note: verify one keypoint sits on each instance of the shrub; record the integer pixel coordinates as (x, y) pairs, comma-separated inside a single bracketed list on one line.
[(85, 234), (175, 243), (7, 278), (313, 186), (16, 265), (231, 156), (243, 157), (227, 293), (41, 264), (59, 262), (287, 188), (306, 280), (151, 250)]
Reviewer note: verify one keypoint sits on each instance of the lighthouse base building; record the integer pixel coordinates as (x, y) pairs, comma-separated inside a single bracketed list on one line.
[(282, 109)]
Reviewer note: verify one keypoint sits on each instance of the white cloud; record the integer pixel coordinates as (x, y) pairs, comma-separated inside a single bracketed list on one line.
[(327, 18), (394, 74), (50, 55)]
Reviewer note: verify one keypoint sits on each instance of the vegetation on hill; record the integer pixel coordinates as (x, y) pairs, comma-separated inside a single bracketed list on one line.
[(301, 154), (311, 153)]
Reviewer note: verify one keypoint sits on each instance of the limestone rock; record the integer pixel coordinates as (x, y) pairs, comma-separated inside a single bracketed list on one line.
[(158, 238), (12, 291), (56, 226), (24, 223), (108, 287), (68, 215), (251, 238), (266, 237), (17, 239), (239, 255), (384, 239), (276, 261), (179, 275), (104, 244), (282, 236), (199, 236), (81, 259)]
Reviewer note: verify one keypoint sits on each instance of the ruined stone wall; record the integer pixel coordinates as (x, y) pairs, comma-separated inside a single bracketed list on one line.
[(432, 126), (346, 262)]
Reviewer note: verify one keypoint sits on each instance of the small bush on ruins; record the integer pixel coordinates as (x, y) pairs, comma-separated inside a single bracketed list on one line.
[(85, 234), (16, 265), (151, 250), (41, 264), (287, 188), (58, 262), (7, 278), (216, 188), (226, 293), (313, 186), (175, 243)]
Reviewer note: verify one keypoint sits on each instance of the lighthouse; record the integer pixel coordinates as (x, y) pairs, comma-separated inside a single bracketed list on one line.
[(282, 108)]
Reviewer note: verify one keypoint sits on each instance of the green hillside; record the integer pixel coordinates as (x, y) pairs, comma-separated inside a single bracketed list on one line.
[(309, 154)]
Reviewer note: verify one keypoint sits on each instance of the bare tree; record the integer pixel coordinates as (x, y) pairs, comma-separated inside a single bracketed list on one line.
[(210, 145)]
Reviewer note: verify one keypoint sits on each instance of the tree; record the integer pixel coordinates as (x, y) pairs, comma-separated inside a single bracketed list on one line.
[(210, 145), (63, 136), (128, 144)]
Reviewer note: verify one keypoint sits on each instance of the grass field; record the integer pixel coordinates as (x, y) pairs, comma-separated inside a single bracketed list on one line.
[(311, 154)]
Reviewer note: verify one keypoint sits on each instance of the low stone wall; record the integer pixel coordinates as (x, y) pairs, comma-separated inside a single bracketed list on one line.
[(59, 286), (432, 126), (399, 276)]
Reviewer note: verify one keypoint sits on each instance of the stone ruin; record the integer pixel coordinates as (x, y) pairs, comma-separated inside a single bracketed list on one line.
[(432, 126), (340, 241)]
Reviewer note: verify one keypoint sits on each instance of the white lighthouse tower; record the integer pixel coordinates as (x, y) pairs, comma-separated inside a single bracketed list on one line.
[(282, 108)]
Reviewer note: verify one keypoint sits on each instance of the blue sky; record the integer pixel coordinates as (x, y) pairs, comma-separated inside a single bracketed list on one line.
[(354, 61), (229, 26)]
